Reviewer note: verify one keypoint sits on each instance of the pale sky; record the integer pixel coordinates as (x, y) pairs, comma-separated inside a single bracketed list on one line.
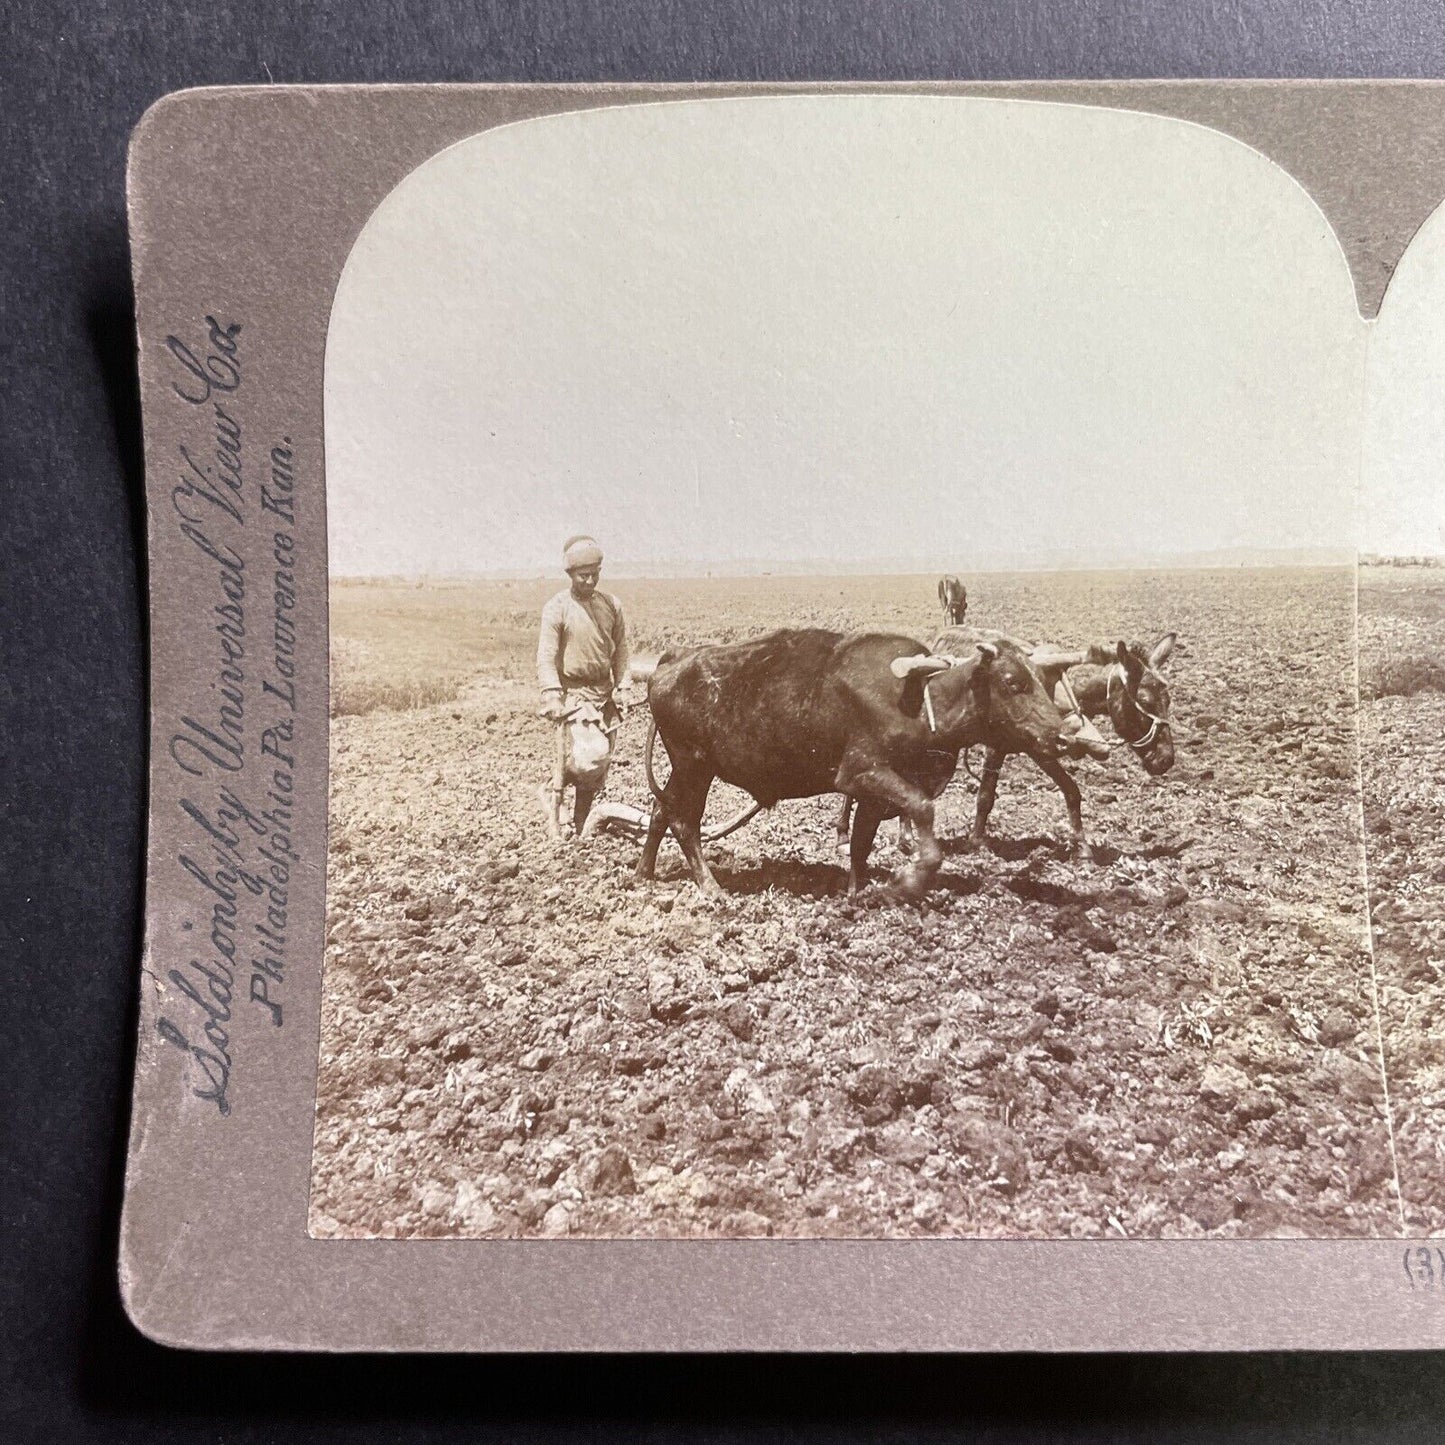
[(842, 328), (1402, 494)]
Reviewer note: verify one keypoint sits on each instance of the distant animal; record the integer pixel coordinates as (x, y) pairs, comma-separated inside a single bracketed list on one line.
[(1126, 687), (801, 712), (953, 598)]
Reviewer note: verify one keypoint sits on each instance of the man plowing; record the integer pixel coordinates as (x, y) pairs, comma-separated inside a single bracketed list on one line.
[(581, 661)]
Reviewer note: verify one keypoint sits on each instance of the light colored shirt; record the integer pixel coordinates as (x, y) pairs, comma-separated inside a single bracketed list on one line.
[(583, 644)]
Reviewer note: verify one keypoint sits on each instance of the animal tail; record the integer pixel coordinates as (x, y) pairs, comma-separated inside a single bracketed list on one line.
[(647, 760), (709, 835)]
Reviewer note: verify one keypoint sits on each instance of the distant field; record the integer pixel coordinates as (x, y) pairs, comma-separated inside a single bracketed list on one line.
[(1402, 625), (1178, 1039), (398, 644), (405, 644)]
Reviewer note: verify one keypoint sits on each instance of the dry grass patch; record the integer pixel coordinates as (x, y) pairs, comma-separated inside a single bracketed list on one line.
[(353, 697), (1403, 676)]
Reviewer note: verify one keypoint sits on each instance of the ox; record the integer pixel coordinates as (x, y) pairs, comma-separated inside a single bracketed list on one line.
[(1126, 687), (1050, 664), (801, 712), (953, 598)]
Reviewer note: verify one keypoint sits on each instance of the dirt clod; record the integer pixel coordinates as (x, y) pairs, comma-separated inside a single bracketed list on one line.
[(611, 1172)]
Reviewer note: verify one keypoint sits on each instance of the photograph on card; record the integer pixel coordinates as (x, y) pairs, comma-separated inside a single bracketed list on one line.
[(844, 711)]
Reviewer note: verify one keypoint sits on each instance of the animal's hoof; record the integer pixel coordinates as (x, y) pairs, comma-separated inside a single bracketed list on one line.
[(974, 842)]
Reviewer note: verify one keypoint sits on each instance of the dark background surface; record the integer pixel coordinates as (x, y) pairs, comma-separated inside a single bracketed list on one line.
[(73, 81)]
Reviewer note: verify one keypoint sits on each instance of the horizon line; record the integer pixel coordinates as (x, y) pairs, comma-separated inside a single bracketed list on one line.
[(1262, 560)]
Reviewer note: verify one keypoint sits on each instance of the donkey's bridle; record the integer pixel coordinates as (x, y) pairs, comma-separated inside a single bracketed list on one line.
[(1142, 744)]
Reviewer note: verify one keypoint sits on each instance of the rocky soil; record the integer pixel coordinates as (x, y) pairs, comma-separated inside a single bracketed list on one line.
[(1402, 620), (1179, 1039)]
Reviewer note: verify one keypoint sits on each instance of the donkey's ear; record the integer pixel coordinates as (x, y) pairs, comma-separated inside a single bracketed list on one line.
[(1163, 649), (1128, 662)]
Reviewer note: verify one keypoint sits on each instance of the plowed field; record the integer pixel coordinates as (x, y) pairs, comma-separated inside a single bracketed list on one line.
[(1402, 653), (1178, 1039)]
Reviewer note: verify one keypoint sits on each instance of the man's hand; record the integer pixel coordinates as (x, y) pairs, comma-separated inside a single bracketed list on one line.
[(552, 708)]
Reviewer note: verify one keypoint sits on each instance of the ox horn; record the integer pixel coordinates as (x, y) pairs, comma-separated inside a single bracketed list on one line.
[(1058, 657), (989, 650), (923, 664)]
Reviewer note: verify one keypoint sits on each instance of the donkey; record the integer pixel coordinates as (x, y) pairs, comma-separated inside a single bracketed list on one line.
[(953, 598)]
